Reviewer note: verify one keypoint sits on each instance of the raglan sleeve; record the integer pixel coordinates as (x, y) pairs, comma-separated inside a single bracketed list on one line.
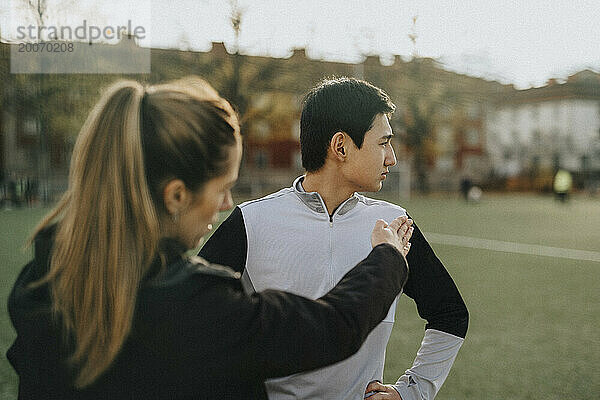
[(438, 302), (229, 244)]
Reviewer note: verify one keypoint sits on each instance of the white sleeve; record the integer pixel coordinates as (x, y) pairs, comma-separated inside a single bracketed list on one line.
[(431, 366)]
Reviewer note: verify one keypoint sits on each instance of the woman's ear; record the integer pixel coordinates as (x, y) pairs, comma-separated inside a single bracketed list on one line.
[(337, 146), (176, 197)]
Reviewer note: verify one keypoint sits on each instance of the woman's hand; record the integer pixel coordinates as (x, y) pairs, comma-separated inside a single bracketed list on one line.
[(397, 233), (377, 391)]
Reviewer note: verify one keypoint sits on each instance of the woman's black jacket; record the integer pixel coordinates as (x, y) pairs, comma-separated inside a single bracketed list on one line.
[(197, 335)]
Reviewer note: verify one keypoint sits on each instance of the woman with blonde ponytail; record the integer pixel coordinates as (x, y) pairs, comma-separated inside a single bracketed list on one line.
[(112, 308)]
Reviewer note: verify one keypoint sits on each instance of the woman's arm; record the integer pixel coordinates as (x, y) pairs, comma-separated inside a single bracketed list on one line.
[(275, 333)]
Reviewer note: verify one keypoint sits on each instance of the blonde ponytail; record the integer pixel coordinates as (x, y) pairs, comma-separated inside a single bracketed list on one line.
[(108, 229), (108, 234)]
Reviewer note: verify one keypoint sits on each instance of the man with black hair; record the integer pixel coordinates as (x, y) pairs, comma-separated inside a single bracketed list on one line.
[(301, 239)]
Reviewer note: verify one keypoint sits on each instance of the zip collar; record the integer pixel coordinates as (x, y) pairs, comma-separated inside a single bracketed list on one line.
[(314, 201)]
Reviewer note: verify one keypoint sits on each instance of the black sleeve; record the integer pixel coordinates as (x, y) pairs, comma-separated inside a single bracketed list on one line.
[(433, 290), (274, 333), (228, 245)]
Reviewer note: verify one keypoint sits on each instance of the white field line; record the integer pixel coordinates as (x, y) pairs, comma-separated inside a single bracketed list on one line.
[(512, 247)]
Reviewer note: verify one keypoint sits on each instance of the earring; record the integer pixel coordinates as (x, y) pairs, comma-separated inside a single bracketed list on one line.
[(175, 216)]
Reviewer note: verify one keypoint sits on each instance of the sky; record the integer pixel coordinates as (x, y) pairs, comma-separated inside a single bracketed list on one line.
[(519, 42)]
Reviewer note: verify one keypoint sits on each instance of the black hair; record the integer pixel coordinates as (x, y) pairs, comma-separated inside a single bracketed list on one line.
[(338, 105)]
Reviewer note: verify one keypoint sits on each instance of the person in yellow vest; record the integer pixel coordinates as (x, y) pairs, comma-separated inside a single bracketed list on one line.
[(562, 185)]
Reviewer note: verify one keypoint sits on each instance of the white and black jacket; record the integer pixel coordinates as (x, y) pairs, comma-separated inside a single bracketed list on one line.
[(288, 241)]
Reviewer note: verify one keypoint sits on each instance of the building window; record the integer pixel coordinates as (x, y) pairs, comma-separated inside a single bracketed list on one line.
[(537, 137), (535, 112), (262, 129), (446, 111), (260, 102), (515, 137), (296, 130), (585, 162), (569, 141), (556, 161), (261, 159), (297, 159), (473, 111), (30, 126), (297, 102), (557, 111), (535, 163), (472, 137)]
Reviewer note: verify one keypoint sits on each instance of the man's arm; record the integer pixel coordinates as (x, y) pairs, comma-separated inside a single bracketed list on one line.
[(440, 303), (433, 290), (228, 245)]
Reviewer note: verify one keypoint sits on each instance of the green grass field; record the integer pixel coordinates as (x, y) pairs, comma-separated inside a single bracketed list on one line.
[(535, 321)]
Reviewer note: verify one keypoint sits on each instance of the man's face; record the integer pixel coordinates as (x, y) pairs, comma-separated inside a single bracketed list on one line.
[(366, 168)]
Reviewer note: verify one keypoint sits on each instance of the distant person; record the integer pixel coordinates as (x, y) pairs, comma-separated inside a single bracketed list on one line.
[(30, 188), (465, 186), (562, 185), (303, 238), (13, 196), (112, 308), (3, 196)]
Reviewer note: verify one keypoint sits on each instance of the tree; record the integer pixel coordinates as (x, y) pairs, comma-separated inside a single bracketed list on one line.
[(425, 102), (233, 86), (40, 100), (238, 85), (425, 98)]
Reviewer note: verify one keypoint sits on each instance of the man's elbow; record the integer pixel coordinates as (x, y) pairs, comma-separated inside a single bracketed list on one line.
[(454, 320), (464, 321)]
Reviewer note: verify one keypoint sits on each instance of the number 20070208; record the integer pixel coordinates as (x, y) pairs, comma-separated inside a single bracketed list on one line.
[(46, 47)]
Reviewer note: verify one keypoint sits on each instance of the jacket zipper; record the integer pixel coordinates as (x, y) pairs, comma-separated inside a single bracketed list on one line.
[(331, 280)]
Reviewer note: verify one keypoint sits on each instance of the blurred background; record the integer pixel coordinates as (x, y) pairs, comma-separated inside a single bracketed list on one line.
[(498, 106), (500, 96)]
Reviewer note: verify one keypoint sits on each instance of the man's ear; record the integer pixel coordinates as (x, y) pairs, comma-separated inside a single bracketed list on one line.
[(176, 196), (338, 145)]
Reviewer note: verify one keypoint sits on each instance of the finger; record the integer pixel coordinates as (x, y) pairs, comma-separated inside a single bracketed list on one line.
[(380, 224), (406, 248), (396, 223), (405, 233), (374, 386), (402, 230), (380, 396), (405, 227), (371, 386)]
